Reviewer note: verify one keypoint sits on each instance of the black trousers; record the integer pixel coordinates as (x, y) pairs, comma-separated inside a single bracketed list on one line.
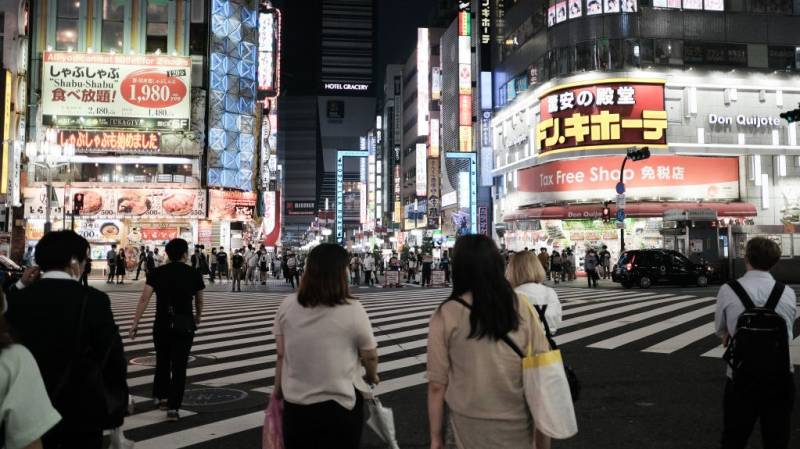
[(772, 406), (325, 425), (60, 438), (112, 270), (172, 356), (368, 279)]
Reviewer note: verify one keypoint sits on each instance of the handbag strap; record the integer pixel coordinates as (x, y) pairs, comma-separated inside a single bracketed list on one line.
[(505, 338), (540, 311), (64, 377)]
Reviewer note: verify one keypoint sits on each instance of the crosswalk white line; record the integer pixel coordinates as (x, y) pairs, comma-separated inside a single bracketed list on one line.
[(618, 310), (583, 306), (627, 320), (683, 340), (644, 332), (149, 418)]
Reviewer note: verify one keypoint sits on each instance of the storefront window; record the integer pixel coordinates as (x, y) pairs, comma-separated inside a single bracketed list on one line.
[(566, 60), (669, 52), (67, 13), (586, 56), (113, 33), (782, 58), (126, 173), (771, 6), (157, 25), (633, 53)]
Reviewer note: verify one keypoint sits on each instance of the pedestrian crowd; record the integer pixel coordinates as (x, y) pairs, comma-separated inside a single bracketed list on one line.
[(495, 376)]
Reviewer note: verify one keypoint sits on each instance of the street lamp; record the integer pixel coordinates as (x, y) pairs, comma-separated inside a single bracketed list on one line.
[(49, 156)]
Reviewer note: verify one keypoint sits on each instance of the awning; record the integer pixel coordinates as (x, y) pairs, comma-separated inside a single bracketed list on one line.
[(636, 210)]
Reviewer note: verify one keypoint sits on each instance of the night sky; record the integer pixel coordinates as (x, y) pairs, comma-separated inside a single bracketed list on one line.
[(397, 24)]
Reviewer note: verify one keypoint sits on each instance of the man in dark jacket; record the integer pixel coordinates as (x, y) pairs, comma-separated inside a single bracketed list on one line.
[(71, 333)]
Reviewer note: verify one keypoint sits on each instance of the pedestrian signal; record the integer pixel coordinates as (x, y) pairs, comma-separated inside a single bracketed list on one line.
[(606, 214), (639, 154), (77, 203)]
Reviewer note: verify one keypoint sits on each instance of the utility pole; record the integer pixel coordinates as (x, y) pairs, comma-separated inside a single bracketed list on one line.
[(634, 155)]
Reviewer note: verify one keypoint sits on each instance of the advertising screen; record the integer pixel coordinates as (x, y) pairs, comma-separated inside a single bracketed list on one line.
[(231, 205), (611, 6), (594, 7), (604, 115), (575, 8), (692, 4), (629, 6), (101, 90), (561, 12), (551, 16)]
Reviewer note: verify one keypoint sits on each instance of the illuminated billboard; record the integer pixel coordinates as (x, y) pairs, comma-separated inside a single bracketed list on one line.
[(423, 85), (269, 58)]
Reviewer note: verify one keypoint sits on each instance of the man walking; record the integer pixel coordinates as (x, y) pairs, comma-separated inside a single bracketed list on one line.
[(237, 262), (544, 259), (252, 264), (369, 267), (176, 286), (605, 261), (142, 261), (212, 262), (222, 264), (111, 259), (760, 384), (291, 264), (590, 264)]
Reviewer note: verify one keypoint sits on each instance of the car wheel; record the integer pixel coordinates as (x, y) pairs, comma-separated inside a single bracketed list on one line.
[(645, 282), (627, 285), (702, 281)]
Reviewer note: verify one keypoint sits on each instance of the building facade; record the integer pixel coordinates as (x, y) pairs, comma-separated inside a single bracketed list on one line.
[(577, 84)]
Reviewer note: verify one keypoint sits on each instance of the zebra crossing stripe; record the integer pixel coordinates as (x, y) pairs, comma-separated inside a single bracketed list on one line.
[(583, 307), (624, 321), (682, 340), (619, 310), (644, 332), (149, 418)]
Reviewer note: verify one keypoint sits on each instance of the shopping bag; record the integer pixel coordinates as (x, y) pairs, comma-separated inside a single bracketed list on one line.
[(381, 421), (272, 432), (547, 389), (118, 440)]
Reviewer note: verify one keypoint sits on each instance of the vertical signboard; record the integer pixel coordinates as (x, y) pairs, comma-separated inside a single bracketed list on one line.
[(362, 194), (6, 132), (465, 81), (269, 60), (433, 148), (423, 86), (340, 156), (421, 167)]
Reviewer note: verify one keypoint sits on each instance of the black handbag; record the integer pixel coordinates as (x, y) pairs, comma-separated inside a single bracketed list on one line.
[(572, 378)]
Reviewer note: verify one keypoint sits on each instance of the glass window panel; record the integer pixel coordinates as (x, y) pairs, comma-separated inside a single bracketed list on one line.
[(66, 34), (633, 53), (586, 56), (68, 9), (114, 10), (157, 12), (156, 43), (156, 29), (113, 36)]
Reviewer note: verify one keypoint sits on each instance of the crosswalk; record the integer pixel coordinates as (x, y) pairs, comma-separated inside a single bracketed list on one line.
[(235, 349)]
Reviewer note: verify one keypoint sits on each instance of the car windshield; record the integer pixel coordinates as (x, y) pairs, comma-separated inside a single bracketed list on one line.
[(625, 258)]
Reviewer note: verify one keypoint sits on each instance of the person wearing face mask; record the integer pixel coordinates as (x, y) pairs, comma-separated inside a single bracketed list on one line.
[(70, 330)]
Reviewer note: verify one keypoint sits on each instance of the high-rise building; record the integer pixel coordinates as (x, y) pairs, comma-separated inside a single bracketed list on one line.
[(327, 102), (701, 84)]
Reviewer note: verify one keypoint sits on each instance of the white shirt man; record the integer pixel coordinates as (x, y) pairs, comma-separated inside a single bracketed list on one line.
[(369, 263)]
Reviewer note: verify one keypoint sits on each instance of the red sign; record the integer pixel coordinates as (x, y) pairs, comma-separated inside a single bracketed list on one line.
[(465, 110), (635, 210), (602, 115), (159, 234), (111, 141), (153, 89), (231, 205), (663, 177)]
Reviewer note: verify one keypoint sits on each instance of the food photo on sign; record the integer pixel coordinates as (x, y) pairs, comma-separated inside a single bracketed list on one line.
[(231, 205)]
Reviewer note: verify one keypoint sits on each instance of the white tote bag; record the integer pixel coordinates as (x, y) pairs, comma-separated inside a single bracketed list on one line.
[(546, 388)]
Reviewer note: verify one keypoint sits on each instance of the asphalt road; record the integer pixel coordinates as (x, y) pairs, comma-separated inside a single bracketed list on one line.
[(646, 360)]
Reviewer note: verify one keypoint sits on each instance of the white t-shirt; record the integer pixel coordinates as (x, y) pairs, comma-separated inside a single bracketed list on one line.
[(25, 410), (540, 295), (369, 263), (321, 351)]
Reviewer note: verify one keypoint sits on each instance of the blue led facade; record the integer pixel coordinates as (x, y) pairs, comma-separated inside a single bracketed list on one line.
[(232, 100)]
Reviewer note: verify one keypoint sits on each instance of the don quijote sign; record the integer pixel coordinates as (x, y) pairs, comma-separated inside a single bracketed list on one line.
[(610, 113), (744, 121), (100, 90)]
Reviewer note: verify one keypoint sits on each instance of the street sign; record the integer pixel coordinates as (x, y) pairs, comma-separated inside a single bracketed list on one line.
[(620, 214), (620, 225), (621, 201), (620, 188)]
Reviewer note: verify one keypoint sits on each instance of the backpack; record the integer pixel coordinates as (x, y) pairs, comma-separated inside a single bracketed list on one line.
[(758, 353)]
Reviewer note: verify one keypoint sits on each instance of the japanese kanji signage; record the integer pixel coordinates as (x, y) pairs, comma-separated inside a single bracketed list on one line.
[(607, 114), (111, 141), (231, 205), (100, 90), (662, 177)]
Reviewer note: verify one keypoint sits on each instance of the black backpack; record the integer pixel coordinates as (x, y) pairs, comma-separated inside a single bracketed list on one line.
[(758, 353)]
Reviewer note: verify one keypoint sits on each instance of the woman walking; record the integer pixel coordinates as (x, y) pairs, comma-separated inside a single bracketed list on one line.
[(526, 275), (323, 338), (590, 264), (556, 266), (121, 268), (470, 366), (176, 286)]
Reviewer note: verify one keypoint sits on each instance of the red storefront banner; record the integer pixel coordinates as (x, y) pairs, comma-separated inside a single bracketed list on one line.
[(111, 141), (602, 114), (271, 224), (661, 177), (465, 110), (632, 210), (159, 234)]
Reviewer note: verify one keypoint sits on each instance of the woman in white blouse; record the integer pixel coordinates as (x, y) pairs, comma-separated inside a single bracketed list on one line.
[(323, 338), (526, 274)]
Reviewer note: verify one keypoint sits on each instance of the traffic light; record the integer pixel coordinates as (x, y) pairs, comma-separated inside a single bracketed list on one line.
[(77, 204), (791, 116), (638, 154), (606, 213)]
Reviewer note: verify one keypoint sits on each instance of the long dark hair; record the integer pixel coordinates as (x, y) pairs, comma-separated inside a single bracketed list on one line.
[(478, 268), (324, 281)]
